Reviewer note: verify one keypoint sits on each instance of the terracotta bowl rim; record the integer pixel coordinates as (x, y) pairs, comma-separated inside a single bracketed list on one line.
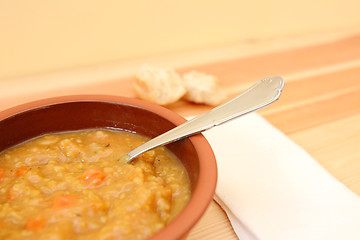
[(203, 194)]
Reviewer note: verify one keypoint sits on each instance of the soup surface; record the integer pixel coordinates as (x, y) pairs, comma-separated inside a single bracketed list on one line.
[(73, 186)]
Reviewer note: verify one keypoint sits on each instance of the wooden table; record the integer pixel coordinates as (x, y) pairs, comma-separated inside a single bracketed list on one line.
[(319, 108)]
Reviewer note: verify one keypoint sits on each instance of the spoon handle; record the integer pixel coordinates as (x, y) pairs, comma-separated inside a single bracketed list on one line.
[(263, 93)]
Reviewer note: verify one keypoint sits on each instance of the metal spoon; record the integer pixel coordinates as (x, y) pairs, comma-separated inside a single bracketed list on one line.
[(260, 95)]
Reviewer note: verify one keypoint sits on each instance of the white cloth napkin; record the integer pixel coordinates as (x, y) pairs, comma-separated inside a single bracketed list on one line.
[(272, 189)]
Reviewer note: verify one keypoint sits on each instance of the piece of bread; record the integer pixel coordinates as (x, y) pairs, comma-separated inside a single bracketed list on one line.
[(158, 85), (203, 88)]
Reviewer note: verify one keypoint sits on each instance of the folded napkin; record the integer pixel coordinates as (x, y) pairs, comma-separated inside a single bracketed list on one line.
[(272, 189)]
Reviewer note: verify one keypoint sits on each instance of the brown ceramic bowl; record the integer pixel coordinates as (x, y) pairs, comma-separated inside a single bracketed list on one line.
[(58, 114)]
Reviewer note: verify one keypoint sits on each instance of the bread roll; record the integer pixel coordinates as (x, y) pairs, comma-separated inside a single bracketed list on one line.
[(158, 85), (203, 88)]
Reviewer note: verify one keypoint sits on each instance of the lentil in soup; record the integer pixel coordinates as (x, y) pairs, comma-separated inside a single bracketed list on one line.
[(72, 186)]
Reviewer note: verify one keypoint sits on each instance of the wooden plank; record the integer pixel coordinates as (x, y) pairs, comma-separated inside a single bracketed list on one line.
[(314, 114), (317, 88), (235, 74), (317, 100), (214, 223), (335, 145), (253, 68)]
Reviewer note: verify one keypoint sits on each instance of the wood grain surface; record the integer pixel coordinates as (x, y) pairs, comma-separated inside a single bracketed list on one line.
[(319, 108)]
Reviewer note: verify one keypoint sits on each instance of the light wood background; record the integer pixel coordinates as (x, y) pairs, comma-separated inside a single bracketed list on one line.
[(38, 36)]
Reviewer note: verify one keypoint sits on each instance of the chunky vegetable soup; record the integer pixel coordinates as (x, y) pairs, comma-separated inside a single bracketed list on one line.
[(73, 186)]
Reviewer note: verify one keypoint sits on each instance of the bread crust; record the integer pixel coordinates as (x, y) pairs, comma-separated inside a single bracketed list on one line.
[(160, 85), (203, 88)]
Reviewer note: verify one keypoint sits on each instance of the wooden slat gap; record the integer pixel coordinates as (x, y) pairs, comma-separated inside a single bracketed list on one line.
[(311, 114)]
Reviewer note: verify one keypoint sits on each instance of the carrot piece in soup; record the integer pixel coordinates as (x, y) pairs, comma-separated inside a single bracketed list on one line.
[(12, 194), (93, 176), (21, 171), (35, 223), (2, 173), (63, 200)]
